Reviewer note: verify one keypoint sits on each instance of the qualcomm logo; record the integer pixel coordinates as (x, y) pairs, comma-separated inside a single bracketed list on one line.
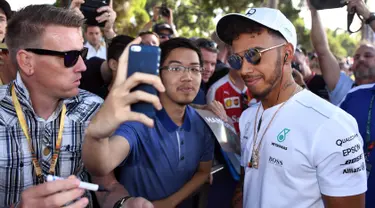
[(282, 135)]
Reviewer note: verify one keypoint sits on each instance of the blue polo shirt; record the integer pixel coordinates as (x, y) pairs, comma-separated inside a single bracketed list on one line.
[(357, 103), (164, 158)]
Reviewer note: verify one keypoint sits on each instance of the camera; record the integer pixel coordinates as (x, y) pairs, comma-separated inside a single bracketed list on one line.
[(89, 11), (325, 4), (164, 11), (296, 66)]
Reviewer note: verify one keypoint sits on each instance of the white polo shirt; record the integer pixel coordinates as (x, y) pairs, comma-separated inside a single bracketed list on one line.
[(311, 148), (101, 53)]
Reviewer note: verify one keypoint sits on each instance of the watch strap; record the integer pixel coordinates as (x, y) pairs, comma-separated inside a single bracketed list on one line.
[(371, 18), (120, 202)]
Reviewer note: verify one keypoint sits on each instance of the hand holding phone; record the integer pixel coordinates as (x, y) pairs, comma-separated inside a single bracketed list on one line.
[(144, 59), (116, 107), (90, 11)]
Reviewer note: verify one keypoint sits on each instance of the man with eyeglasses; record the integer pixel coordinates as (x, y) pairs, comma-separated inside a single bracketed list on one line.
[(43, 114), (316, 165), (164, 164)]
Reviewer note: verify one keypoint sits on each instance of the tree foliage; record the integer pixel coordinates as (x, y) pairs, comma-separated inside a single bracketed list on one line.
[(196, 18)]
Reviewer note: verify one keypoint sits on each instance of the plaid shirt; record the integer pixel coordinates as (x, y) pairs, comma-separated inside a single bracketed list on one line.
[(16, 169)]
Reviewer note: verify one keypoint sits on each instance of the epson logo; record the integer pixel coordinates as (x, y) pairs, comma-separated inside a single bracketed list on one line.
[(275, 161), (351, 150)]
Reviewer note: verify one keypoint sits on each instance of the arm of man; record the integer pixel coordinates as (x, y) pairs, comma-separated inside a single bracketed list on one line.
[(116, 193), (102, 152), (361, 8), (328, 63), (101, 156), (237, 201), (199, 178), (339, 160)]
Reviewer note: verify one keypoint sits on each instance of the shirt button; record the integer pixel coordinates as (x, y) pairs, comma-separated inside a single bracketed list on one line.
[(21, 164), (182, 142), (182, 158), (46, 151)]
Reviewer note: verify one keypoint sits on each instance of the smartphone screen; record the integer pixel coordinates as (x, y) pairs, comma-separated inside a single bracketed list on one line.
[(144, 59)]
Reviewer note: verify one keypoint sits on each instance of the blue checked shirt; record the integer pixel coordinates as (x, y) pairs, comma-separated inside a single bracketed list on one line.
[(16, 169)]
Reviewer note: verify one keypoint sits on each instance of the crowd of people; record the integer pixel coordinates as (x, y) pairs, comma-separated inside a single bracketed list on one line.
[(305, 120)]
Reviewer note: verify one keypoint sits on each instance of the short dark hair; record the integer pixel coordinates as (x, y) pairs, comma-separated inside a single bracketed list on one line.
[(207, 44), (117, 46), (237, 26), (148, 33), (169, 45), (27, 26)]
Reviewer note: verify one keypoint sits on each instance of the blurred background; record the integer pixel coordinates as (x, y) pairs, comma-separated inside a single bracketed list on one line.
[(190, 16)]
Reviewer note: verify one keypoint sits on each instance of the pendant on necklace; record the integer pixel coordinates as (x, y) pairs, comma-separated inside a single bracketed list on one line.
[(255, 159)]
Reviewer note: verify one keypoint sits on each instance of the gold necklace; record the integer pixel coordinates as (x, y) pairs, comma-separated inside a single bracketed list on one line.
[(254, 161)]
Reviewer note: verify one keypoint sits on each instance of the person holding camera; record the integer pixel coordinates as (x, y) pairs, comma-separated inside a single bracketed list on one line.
[(338, 83), (165, 30), (93, 33)]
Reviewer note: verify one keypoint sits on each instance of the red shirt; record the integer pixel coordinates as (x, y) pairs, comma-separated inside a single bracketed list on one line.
[(231, 97)]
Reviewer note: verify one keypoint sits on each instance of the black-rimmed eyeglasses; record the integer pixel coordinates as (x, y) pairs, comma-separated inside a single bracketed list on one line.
[(70, 57), (181, 69)]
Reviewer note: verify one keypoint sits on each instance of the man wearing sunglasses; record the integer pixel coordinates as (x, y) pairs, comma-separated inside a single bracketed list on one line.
[(43, 114), (168, 159), (297, 165), (164, 31)]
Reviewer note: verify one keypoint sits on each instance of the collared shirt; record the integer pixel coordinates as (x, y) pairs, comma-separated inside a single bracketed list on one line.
[(16, 169), (298, 162), (200, 99), (101, 52), (164, 158), (357, 103), (343, 86)]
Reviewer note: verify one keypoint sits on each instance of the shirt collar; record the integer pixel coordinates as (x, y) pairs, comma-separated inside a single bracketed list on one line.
[(24, 96), (169, 125)]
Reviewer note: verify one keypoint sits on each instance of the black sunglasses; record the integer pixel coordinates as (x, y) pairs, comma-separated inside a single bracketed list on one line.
[(207, 44), (70, 57), (164, 36), (252, 55)]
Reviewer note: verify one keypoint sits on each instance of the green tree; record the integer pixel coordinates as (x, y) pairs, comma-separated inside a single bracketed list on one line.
[(131, 16)]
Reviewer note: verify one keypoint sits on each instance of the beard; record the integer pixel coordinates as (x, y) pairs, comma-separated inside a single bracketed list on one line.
[(364, 71), (271, 83)]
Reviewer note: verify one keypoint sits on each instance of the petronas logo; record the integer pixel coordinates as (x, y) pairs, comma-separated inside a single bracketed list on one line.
[(282, 135)]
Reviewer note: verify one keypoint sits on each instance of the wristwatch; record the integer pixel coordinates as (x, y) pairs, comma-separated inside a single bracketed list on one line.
[(120, 202), (371, 18)]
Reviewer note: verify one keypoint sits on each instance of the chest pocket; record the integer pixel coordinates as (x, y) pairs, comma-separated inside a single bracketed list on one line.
[(70, 160)]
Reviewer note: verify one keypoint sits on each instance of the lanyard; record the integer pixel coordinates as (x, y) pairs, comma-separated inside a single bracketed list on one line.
[(369, 144), (21, 119)]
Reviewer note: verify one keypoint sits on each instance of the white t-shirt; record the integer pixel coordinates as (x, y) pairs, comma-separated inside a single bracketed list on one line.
[(311, 148), (101, 53)]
